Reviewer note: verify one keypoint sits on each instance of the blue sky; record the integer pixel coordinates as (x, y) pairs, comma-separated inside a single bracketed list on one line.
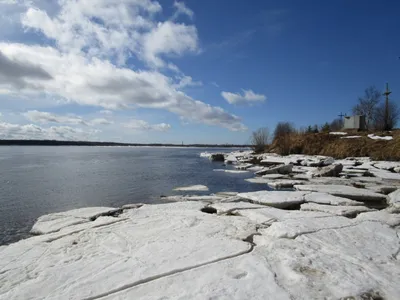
[(191, 71)]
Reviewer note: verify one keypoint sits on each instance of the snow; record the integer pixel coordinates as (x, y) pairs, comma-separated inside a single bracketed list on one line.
[(280, 199), (344, 191), (56, 221), (340, 210), (384, 138), (338, 133), (197, 187), (324, 198), (255, 168), (351, 137)]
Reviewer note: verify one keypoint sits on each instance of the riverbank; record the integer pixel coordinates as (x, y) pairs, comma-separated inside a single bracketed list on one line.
[(377, 145), (333, 232)]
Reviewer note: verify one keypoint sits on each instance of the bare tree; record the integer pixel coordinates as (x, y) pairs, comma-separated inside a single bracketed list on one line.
[(367, 105), (282, 136), (282, 129), (336, 124), (260, 139), (393, 117)]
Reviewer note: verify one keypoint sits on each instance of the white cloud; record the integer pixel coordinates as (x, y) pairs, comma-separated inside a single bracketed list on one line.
[(96, 82), (182, 9), (185, 81), (169, 38), (31, 131), (215, 84), (247, 97), (100, 121), (140, 125), (106, 112), (85, 62), (46, 117)]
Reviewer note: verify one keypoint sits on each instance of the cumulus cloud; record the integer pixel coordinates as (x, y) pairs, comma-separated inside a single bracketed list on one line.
[(169, 38), (85, 63), (247, 97), (140, 125), (31, 131), (182, 9), (97, 82), (100, 121), (46, 117)]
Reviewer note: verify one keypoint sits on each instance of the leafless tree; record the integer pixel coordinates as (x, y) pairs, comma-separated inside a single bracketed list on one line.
[(336, 125), (367, 105), (282, 136), (393, 117), (260, 139), (282, 129)]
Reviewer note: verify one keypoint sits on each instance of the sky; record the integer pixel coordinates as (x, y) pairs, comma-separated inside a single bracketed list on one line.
[(192, 71)]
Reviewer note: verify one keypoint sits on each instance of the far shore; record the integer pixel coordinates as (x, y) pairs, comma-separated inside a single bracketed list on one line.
[(90, 143)]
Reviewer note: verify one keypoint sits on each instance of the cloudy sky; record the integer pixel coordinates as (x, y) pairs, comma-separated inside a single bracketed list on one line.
[(192, 71)]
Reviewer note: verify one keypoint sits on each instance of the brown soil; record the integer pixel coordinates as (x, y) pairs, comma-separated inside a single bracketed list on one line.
[(333, 145)]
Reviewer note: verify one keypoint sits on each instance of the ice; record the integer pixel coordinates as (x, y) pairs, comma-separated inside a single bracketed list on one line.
[(258, 180), (324, 198), (243, 277), (340, 210), (269, 215), (346, 262), (338, 133), (231, 171), (285, 183), (205, 198), (279, 199), (156, 241), (344, 191), (227, 207), (198, 187), (293, 228), (380, 216), (386, 165), (56, 221)]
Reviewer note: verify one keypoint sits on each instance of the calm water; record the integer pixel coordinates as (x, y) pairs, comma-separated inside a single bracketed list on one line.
[(39, 180)]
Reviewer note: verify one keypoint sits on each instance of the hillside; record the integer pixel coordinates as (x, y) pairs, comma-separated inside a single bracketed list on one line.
[(340, 146)]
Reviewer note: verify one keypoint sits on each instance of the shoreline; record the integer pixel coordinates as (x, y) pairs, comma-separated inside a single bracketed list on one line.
[(326, 233)]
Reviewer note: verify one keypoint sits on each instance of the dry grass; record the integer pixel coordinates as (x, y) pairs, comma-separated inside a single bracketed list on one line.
[(332, 145)]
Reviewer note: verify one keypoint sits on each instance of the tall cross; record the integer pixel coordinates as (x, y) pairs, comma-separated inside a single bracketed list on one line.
[(341, 115), (387, 93)]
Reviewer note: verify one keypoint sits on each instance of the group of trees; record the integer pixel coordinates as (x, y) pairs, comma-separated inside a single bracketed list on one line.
[(374, 110), (370, 105)]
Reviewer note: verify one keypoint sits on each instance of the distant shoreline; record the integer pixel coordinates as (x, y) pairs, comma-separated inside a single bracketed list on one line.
[(87, 143)]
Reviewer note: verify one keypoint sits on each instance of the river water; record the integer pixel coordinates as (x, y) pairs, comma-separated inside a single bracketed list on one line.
[(37, 180)]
